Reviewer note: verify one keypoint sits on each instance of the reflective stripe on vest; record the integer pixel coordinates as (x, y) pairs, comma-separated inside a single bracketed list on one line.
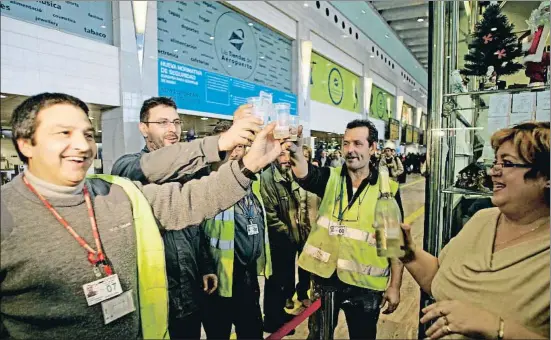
[(152, 280), (353, 254), (362, 269), (221, 244), (355, 234)]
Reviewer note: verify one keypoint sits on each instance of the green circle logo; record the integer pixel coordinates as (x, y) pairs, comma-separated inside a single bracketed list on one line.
[(335, 85)]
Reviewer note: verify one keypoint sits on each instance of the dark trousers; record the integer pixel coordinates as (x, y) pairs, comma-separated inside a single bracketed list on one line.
[(281, 285), (188, 327), (360, 306), (242, 309)]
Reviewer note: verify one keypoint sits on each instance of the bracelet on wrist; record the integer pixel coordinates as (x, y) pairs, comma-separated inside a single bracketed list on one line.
[(501, 330)]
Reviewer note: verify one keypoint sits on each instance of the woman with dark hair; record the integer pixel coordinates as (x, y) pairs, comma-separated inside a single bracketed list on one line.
[(492, 279)]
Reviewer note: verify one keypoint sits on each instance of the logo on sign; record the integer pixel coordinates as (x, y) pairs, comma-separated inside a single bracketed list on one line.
[(237, 39), (381, 105), (335, 86), (235, 45)]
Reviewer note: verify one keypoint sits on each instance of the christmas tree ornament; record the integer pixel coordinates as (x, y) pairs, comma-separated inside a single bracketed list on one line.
[(497, 49)]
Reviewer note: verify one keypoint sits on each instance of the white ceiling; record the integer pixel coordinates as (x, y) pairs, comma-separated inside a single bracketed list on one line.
[(410, 20)]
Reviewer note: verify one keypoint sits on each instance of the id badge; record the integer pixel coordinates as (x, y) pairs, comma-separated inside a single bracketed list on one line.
[(337, 230), (102, 289), (118, 307), (252, 229)]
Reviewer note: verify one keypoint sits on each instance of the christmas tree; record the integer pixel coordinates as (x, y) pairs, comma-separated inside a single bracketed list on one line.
[(494, 44)]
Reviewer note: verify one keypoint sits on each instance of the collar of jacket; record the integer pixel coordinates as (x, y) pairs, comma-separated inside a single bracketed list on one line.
[(373, 173), (278, 176)]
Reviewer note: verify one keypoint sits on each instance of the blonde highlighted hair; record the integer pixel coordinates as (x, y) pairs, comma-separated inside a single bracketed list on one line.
[(531, 142)]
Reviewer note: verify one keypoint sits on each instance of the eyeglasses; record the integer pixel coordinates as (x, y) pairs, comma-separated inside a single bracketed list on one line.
[(165, 123), (499, 166)]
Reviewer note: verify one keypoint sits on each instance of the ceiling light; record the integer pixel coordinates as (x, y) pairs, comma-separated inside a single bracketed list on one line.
[(344, 36), (363, 12), (261, 57), (211, 38), (414, 89), (103, 26), (420, 20), (493, 29), (372, 56), (250, 24), (204, 118), (175, 50), (305, 4)]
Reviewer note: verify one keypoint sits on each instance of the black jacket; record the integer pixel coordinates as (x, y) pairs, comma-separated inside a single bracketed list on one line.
[(186, 251)]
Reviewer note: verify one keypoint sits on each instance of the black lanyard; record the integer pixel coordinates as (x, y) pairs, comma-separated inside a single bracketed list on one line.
[(354, 197), (249, 207)]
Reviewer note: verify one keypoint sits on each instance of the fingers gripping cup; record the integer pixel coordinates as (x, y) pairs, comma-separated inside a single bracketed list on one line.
[(293, 128), (282, 112)]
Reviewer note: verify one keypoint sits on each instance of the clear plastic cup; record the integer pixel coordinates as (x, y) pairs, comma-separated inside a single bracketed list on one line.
[(282, 114), (293, 128), (258, 109)]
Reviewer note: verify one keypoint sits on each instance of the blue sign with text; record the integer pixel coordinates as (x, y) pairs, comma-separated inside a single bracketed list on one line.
[(199, 90)]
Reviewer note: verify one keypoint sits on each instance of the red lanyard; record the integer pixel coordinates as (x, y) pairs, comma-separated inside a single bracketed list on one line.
[(94, 257)]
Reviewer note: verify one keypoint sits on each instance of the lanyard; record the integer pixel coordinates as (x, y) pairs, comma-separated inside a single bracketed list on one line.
[(249, 208), (351, 202), (94, 257)]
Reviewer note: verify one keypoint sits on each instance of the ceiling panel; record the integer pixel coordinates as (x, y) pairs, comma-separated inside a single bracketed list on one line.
[(409, 19)]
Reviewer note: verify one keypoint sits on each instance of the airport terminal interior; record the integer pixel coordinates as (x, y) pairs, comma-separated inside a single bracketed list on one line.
[(453, 96)]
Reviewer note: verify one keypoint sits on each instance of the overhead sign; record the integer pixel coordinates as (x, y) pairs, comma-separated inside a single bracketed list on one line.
[(213, 37), (200, 90), (88, 19), (394, 127), (409, 134), (407, 113), (381, 104), (415, 135), (334, 85)]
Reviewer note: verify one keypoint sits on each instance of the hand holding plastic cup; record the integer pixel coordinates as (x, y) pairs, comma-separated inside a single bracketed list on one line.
[(293, 128), (282, 113)]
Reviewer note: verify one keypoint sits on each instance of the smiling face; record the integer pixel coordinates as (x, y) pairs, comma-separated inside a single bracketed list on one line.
[(356, 148), (157, 135), (63, 145), (512, 192)]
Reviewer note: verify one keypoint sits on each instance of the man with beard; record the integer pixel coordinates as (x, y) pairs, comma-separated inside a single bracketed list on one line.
[(189, 265), (289, 210), (341, 250), (241, 251)]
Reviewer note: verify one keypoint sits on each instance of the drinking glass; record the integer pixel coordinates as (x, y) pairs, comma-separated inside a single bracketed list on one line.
[(282, 115), (258, 109), (293, 128)]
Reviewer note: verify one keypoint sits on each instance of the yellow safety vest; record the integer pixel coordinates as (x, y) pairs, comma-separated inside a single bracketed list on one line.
[(221, 233), (152, 281), (352, 253)]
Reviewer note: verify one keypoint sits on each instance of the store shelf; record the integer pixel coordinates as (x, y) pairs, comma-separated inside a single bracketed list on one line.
[(478, 93), (471, 193)]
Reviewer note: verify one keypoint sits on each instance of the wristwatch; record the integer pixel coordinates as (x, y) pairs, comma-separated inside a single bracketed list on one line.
[(248, 173)]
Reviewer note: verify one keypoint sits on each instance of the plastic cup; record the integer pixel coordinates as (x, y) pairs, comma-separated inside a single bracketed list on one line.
[(258, 109), (293, 128), (282, 112)]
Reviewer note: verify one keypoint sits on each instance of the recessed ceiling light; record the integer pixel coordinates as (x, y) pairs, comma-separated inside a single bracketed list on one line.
[(420, 20), (305, 4), (414, 89), (175, 50), (204, 118), (344, 36), (493, 29), (372, 56), (211, 38), (250, 24)]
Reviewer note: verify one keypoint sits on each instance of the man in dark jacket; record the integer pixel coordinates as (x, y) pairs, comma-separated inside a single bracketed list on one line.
[(189, 264)]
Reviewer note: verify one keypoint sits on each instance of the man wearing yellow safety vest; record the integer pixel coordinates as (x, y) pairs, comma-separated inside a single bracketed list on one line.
[(340, 251), (82, 257), (239, 244)]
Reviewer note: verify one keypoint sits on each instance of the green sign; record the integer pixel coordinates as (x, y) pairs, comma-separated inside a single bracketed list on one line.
[(334, 85), (381, 104)]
